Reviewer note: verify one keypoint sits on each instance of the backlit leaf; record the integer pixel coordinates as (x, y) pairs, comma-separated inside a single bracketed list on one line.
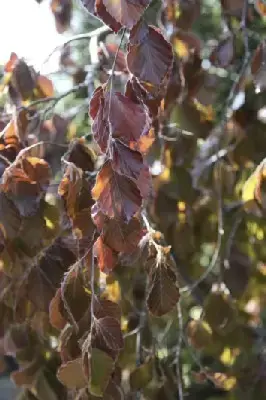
[(126, 12), (163, 292), (152, 59), (126, 119), (116, 195), (107, 258)]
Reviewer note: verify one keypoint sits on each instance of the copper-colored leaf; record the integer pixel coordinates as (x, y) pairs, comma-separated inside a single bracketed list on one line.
[(117, 234), (126, 12), (126, 119), (106, 308), (97, 8), (108, 331), (107, 258), (45, 86), (70, 187), (26, 182), (130, 163), (116, 195), (151, 60)]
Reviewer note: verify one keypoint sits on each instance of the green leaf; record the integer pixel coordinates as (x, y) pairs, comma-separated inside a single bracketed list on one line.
[(101, 367), (141, 376)]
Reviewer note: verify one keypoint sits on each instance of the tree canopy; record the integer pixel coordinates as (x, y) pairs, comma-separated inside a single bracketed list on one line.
[(132, 204)]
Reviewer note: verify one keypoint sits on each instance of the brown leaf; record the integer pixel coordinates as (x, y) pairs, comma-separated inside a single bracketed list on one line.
[(107, 258), (128, 120), (117, 234), (26, 182), (116, 195), (188, 13), (185, 44), (71, 374), (62, 10), (126, 12), (223, 55), (106, 308), (163, 292), (75, 297), (108, 331), (70, 188), (97, 8), (152, 59), (199, 334), (55, 316), (81, 155), (223, 321), (130, 163), (44, 86)]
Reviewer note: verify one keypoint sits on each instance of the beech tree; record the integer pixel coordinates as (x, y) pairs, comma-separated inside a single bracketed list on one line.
[(132, 218)]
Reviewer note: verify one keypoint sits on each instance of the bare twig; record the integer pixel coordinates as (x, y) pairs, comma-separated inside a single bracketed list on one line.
[(92, 285), (178, 352), (54, 99), (111, 78), (82, 36)]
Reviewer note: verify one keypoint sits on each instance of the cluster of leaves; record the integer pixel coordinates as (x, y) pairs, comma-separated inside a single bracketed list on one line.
[(99, 229)]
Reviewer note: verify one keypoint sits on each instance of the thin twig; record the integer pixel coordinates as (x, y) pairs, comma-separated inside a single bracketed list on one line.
[(178, 352), (110, 81), (54, 99), (92, 285), (83, 36)]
